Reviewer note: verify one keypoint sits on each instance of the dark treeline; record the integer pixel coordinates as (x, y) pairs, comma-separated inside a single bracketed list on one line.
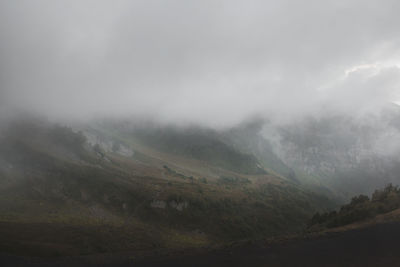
[(360, 208)]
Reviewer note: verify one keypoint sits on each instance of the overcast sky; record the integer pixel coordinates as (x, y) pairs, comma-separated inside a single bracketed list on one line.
[(213, 62)]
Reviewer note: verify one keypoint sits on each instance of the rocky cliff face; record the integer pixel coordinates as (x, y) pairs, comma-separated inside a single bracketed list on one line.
[(343, 150)]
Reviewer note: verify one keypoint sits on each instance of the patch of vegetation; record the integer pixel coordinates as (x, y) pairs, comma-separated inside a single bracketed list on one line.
[(141, 157), (201, 145), (203, 180), (360, 208), (171, 172), (235, 180)]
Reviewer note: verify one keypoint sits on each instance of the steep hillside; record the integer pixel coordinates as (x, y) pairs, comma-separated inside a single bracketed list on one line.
[(133, 195), (384, 203), (341, 154), (247, 137), (201, 144)]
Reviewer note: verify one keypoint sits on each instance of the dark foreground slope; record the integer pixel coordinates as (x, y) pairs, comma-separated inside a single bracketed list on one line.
[(372, 246)]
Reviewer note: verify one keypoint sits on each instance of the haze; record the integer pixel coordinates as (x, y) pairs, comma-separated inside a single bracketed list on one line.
[(210, 62)]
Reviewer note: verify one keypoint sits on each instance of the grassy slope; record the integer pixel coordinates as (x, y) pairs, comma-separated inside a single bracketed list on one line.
[(360, 209), (61, 197)]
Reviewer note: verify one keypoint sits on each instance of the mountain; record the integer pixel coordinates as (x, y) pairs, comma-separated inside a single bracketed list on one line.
[(107, 187), (247, 138), (345, 155), (116, 185)]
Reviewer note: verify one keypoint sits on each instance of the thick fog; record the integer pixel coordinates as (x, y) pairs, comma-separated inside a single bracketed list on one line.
[(209, 62)]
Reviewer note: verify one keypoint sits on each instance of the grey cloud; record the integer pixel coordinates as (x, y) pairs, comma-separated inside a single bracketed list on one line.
[(211, 62)]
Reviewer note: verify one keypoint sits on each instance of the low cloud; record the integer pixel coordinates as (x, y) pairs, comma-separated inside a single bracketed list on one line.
[(209, 62)]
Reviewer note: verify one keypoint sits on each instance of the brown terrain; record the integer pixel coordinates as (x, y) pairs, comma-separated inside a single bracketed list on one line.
[(371, 243)]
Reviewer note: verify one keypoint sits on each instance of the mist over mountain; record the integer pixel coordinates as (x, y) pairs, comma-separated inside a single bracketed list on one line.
[(351, 155), (162, 126), (214, 63), (339, 153)]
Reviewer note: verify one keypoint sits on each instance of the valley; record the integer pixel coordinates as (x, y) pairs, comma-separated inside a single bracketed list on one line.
[(52, 178), (124, 193)]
